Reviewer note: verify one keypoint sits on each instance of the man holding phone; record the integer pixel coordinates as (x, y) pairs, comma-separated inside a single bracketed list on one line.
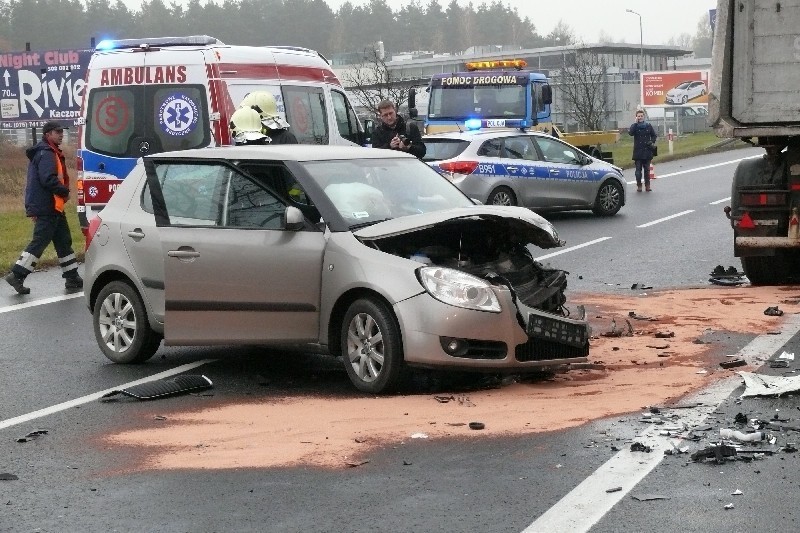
[(393, 134)]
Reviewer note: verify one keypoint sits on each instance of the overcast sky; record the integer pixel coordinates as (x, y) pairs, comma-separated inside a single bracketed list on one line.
[(661, 19)]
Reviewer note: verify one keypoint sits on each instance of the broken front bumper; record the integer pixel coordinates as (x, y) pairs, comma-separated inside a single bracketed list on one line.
[(515, 339)]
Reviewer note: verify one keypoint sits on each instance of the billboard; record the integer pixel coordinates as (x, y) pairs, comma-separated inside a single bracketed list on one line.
[(674, 88), (39, 86)]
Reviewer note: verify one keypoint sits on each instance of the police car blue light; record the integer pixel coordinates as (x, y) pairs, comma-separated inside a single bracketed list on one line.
[(473, 124)]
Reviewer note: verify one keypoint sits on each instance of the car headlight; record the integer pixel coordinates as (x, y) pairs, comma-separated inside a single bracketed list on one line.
[(459, 289)]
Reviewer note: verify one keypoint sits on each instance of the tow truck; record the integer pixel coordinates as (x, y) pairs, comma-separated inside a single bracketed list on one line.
[(501, 93)]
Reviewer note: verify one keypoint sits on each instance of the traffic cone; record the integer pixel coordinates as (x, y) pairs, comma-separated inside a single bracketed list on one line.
[(652, 171)]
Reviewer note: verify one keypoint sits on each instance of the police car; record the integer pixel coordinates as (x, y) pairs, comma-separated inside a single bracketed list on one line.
[(525, 168)]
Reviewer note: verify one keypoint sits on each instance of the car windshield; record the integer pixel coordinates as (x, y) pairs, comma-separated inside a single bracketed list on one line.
[(439, 149), (368, 191)]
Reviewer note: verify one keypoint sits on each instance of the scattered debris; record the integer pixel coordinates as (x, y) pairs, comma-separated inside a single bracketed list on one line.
[(639, 447), (649, 497), (787, 356), (407, 463), (658, 346), (731, 434), (419, 436), (718, 453), (353, 464), (737, 492), (165, 387), (789, 448), (664, 334), (456, 424), (159, 417), (614, 489), (476, 425), (733, 363), (728, 506), (619, 332), (33, 435), (729, 282), (740, 418), (761, 385), (773, 311), (779, 363), (5, 476), (636, 316), (444, 399), (720, 271), (702, 372), (640, 286)]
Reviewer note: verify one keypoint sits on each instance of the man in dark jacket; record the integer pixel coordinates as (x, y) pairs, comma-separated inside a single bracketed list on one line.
[(644, 139), (46, 191), (393, 134)]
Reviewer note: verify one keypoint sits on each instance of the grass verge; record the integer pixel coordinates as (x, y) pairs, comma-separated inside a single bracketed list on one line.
[(688, 145)]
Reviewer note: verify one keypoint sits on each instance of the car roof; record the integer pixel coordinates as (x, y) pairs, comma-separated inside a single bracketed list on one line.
[(285, 152), (491, 133)]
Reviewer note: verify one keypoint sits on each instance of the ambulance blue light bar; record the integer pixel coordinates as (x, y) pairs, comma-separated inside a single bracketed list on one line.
[(156, 42)]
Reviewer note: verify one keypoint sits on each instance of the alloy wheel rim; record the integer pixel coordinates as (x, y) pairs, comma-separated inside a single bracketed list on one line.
[(609, 197), (501, 198), (365, 348), (117, 322)]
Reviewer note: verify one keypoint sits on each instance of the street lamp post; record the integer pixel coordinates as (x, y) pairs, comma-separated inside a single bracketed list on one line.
[(641, 46)]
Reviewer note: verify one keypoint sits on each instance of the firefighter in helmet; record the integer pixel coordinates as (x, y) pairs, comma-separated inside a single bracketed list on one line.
[(246, 127), (275, 127)]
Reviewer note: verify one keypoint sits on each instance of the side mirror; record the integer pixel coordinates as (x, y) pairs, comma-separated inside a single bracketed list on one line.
[(293, 219), (369, 127), (547, 94)]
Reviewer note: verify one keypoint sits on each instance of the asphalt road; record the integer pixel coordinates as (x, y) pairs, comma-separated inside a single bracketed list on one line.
[(68, 480)]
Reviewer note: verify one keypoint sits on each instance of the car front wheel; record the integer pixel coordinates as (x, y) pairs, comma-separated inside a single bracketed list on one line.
[(502, 196), (609, 199), (371, 346), (120, 325)]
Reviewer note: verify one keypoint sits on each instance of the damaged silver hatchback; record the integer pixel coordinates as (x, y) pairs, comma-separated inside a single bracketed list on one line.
[(369, 254)]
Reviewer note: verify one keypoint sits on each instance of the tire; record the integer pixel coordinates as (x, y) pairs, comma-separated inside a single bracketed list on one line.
[(121, 327), (502, 196), (766, 270), (684, 99), (609, 199), (371, 347)]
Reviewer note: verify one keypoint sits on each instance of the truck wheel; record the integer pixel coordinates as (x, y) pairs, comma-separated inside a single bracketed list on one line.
[(120, 325), (609, 199), (767, 270), (502, 196), (371, 346)]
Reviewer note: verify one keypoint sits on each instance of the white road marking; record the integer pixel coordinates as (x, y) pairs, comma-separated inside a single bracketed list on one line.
[(572, 248), (720, 201), (588, 503), (35, 303), (689, 170), (666, 218), (97, 395)]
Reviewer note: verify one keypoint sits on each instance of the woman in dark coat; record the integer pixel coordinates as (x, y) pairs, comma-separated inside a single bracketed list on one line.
[(644, 141)]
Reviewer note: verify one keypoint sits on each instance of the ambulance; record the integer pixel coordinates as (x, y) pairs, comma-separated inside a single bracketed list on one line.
[(144, 96)]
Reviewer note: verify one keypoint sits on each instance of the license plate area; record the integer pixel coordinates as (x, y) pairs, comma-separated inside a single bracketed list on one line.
[(559, 329)]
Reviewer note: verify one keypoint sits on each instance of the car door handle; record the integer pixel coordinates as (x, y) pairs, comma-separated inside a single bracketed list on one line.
[(136, 234), (553, 171), (183, 254), (512, 168)]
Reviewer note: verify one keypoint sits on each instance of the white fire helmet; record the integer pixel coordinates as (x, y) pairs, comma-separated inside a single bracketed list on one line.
[(246, 127), (264, 103)]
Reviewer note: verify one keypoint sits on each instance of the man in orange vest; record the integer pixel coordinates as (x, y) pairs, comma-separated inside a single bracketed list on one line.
[(46, 191)]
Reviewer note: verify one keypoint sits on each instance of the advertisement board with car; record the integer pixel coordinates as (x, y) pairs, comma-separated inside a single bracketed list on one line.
[(674, 88)]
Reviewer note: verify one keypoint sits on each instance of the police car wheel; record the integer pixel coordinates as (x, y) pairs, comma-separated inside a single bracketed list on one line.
[(120, 325), (502, 196), (609, 199)]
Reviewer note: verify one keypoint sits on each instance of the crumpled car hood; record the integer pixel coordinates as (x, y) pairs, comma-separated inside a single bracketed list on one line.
[(536, 229)]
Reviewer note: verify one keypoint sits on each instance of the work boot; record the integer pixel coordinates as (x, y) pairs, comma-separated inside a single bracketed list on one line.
[(17, 283), (74, 282), (639, 187), (648, 189)]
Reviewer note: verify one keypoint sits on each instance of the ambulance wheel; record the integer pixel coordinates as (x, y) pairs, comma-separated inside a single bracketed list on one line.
[(120, 325), (502, 196), (609, 199)]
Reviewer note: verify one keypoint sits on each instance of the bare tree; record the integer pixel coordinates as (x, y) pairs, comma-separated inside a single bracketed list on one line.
[(371, 81), (583, 89), (684, 40)]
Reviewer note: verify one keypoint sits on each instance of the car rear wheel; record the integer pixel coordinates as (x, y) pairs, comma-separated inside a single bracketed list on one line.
[(120, 325), (684, 99), (609, 199), (502, 196), (371, 346)]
